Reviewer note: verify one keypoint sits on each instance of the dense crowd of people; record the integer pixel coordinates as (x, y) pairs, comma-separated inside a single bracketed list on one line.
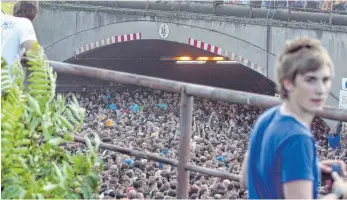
[(148, 120)]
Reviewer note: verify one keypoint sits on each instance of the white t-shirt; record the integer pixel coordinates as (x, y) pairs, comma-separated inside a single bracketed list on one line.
[(14, 32)]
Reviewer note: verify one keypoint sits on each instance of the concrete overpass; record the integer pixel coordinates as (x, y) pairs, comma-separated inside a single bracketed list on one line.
[(71, 32)]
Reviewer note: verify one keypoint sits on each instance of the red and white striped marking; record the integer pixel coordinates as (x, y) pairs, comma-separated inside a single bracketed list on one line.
[(203, 45), (217, 50), (107, 41), (251, 65)]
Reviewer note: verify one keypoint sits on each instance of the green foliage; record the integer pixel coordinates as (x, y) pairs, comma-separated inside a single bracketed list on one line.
[(34, 163), (7, 7)]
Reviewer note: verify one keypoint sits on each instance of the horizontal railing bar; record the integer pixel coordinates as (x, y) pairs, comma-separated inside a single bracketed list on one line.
[(150, 156), (214, 93), (141, 154), (212, 172)]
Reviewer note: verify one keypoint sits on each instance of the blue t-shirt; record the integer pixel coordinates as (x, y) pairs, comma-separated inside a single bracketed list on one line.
[(281, 150)]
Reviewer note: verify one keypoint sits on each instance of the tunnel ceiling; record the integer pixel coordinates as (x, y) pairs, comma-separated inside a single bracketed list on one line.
[(143, 57)]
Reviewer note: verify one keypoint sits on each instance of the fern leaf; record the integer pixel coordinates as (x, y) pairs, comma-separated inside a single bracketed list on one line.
[(41, 78)]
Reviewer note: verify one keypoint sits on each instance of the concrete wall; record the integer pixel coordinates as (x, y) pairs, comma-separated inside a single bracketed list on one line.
[(63, 28)]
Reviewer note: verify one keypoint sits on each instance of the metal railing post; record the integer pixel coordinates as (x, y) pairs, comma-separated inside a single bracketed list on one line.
[(179, 6), (186, 113), (331, 12), (214, 7), (250, 12)]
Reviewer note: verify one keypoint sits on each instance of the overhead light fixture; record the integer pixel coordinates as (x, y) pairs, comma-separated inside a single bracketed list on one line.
[(190, 62), (218, 58), (209, 58), (170, 58), (183, 58), (202, 58), (188, 58), (227, 62)]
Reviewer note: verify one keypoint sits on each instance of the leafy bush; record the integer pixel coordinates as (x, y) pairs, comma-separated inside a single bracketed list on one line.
[(34, 162), (7, 7)]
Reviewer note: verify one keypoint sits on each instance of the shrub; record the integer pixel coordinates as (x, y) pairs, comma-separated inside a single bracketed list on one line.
[(34, 162)]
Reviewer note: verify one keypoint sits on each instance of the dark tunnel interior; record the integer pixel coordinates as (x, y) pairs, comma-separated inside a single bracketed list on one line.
[(144, 57)]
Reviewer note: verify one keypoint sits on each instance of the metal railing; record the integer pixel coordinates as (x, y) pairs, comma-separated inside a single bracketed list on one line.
[(220, 8), (187, 92)]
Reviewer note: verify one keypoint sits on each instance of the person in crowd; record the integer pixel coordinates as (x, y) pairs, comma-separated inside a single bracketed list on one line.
[(335, 137), (17, 32), (282, 159)]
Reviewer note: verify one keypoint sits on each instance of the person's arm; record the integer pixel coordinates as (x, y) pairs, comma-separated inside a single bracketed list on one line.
[(28, 44), (298, 190), (325, 166), (27, 35), (244, 169)]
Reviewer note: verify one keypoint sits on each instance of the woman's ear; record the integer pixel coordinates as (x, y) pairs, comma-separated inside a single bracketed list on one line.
[(287, 85)]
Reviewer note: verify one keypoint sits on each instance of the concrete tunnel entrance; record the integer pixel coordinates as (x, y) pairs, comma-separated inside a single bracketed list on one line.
[(144, 57)]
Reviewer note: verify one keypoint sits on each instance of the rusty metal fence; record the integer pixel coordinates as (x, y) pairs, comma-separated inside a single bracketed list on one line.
[(187, 92)]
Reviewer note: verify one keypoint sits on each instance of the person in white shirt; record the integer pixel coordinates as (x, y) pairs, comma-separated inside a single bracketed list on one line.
[(17, 32)]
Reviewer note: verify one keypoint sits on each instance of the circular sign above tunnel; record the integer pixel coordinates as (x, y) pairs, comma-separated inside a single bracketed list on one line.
[(164, 31)]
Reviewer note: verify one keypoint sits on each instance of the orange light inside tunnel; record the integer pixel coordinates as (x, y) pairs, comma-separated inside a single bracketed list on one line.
[(190, 62), (209, 58), (202, 58), (217, 58), (184, 58)]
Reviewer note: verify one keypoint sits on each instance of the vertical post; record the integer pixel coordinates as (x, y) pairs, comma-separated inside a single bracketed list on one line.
[(289, 12), (186, 112), (268, 39), (250, 13), (330, 12), (147, 5), (213, 7), (179, 5)]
